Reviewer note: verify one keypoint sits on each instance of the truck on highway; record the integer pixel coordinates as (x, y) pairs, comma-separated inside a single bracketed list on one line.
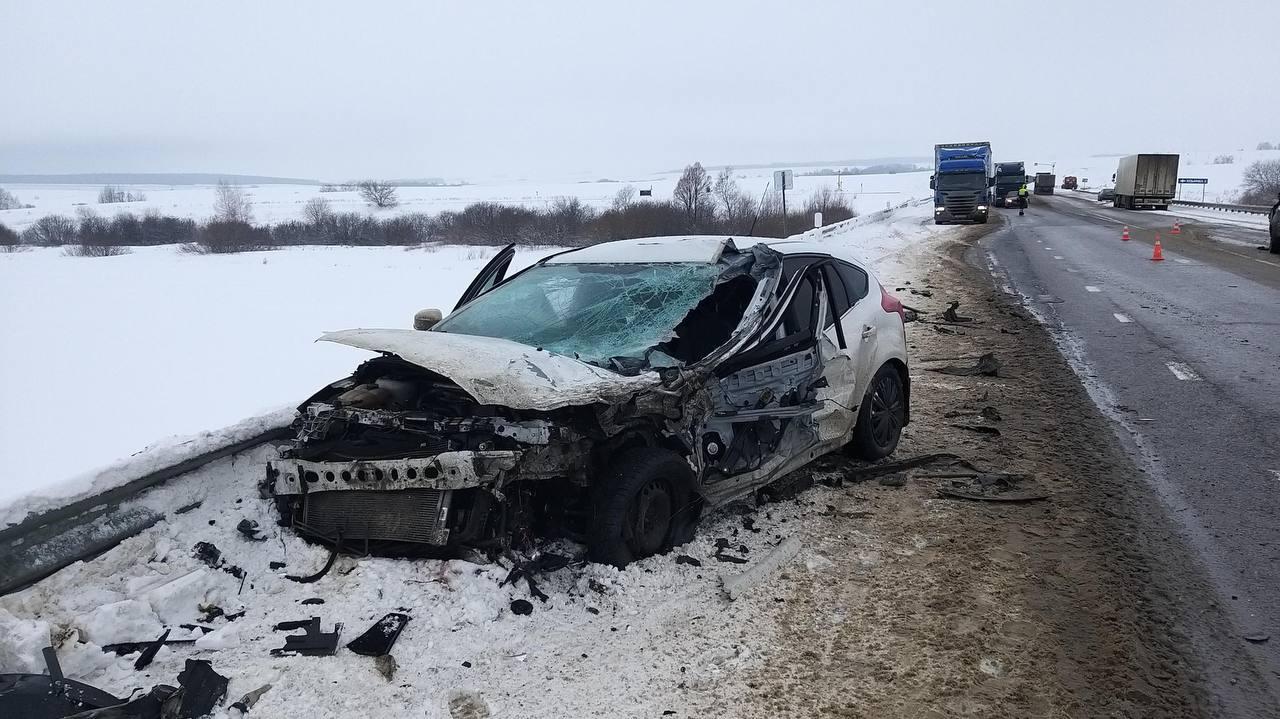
[(1146, 180), (1009, 177), (1044, 183), (1070, 182), (963, 177)]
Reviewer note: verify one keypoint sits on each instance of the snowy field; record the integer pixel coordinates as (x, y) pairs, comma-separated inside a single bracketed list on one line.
[(279, 203)]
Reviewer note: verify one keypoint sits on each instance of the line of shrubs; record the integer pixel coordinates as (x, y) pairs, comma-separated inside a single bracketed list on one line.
[(565, 222)]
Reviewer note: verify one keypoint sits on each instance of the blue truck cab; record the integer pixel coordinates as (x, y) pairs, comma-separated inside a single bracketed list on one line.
[(963, 177)]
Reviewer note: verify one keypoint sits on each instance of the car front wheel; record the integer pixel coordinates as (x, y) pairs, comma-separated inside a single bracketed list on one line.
[(881, 416), (641, 507)]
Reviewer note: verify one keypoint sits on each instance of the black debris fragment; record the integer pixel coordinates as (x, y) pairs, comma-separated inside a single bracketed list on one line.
[(150, 652), (309, 579), (246, 702), (979, 428), (893, 480), (200, 688), (858, 474), (379, 638), (314, 643), (686, 559), (521, 607), (120, 649), (987, 366), (749, 524), (251, 531), (950, 315), (994, 487), (722, 543), (196, 628), (148, 706), (49, 695), (276, 565), (211, 556), (1257, 637), (720, 556), (593, 610), (467, 664), (313, 600), (188, 507)]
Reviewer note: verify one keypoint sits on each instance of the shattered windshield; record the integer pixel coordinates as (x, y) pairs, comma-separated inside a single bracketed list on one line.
[(595, 312)]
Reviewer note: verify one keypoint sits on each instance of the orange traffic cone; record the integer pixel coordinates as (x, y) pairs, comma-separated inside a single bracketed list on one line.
[(1157, 255), (1125, 235), (1177, 228)]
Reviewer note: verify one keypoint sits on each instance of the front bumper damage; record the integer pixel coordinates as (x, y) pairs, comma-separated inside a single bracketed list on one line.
[(389, 500)]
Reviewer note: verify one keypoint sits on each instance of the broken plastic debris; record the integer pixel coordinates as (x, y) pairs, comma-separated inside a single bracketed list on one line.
[(246, 702), (250, 530), (521, 607), (379, 638), (201, 689), (987, 366), (314, 643)]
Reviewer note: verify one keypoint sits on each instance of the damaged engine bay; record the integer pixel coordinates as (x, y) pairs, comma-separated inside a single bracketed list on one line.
[(607, 403)]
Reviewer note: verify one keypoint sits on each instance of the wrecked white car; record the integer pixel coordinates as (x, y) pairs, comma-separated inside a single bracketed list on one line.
[(610, 394)]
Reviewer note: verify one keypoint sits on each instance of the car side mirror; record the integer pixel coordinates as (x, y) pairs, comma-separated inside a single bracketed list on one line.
[(426, 319)]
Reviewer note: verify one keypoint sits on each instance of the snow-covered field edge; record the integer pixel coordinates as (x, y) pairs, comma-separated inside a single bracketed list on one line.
[(174, 454)]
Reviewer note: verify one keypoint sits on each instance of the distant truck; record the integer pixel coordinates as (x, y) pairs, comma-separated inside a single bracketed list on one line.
[(963, 175), (1069, 182), (1009, 177), (1044, 183), (1146, 181)]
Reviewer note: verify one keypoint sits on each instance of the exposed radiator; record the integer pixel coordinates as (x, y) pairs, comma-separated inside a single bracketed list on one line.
[(408, 515)]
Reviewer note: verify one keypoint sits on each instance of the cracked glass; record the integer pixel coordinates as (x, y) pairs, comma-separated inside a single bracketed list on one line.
[(597, 313)]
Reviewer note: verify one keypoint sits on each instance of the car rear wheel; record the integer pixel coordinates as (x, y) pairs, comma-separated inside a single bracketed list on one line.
[(1275, 244), (642, 507), (881, 416)]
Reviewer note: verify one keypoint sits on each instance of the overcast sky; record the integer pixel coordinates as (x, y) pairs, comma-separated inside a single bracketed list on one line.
[(540, 89)]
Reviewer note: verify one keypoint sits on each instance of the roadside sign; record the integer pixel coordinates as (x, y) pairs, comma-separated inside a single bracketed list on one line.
[(783, 180), (1193, 180)]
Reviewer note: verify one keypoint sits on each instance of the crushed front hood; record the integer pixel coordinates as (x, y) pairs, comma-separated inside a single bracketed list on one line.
[(498, 371)]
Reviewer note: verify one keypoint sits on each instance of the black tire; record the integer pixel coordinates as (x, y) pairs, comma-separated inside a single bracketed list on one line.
[(881, 416), (1275, 244), (642, 507)]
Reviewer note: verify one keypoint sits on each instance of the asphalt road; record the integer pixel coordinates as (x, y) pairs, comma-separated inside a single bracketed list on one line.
[(1184, 356)]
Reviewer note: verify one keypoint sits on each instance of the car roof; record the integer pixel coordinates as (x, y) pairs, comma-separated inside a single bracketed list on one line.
[(692, 248)]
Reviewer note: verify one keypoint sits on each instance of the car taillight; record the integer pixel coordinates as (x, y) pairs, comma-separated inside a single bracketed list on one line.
[(889, 303)]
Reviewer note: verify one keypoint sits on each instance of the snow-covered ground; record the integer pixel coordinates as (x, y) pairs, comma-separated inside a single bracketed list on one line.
[(659, 637), (278, 203), (1224, 180)]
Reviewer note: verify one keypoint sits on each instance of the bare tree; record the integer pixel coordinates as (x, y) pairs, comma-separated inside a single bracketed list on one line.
[(8, 201), (50, 231), (317, 211), (232, 204), (379, 194), (624, 197), (1265, 146), (693, 194), (8, 239), (1261, 182)]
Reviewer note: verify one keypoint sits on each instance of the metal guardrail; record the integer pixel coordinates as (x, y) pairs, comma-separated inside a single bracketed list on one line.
[(43, 543), (1246, 209)]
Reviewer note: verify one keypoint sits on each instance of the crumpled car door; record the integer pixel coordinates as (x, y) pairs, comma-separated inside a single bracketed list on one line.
[(765, 396), (490, 276)]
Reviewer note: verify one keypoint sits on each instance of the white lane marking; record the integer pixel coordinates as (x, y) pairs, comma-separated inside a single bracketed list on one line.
[(1091, 288), (1121, 317), (1048, 247), (1182, 260), (1182, 371), (1273, 264), (1057, 257)]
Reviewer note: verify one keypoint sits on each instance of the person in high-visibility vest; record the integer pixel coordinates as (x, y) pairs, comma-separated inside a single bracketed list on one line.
[(1022, 199)]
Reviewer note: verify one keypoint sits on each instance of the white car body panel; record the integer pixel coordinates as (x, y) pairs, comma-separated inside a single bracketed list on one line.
[(499, 371)]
